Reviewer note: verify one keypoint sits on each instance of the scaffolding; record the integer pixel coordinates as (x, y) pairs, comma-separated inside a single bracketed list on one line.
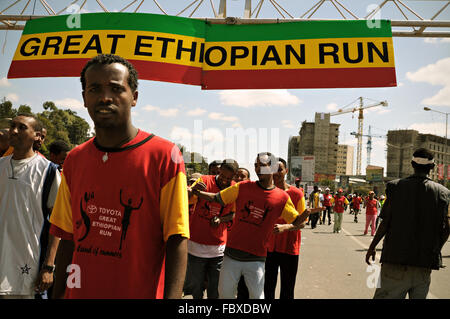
[(14, 15)]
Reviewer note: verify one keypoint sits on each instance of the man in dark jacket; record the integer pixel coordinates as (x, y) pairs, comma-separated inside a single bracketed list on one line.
[(415, 224)]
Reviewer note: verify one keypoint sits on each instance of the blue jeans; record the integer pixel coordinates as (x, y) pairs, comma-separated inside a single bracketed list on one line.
[(200, 269)]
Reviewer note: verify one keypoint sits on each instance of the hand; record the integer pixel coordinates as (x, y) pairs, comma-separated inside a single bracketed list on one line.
[(279, 228), (200, 186), (215, 221), (370, 253), (44, 281)]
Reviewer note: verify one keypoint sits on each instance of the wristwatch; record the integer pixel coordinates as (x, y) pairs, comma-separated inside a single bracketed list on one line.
[(48, 268)]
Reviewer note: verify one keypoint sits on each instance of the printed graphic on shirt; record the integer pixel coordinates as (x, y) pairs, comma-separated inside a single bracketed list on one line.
[(107, 221), (128, 208), (254, 215), (84, 217), (25, 269)]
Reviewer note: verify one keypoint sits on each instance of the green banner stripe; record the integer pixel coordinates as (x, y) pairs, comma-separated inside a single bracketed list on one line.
[(213, 32), (299, 30), (117, 21)]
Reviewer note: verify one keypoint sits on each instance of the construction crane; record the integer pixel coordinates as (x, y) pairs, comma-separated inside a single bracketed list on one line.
[(360, 109), (369, 142)]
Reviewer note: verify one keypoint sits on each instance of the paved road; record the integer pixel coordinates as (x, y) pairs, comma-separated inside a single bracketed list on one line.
[(332, 265)]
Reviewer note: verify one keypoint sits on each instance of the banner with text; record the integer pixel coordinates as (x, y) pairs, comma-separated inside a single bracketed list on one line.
[(305, 54)]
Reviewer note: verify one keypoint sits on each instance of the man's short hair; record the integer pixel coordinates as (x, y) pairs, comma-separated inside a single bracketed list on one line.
[(268, 158), (37, 126), (230, 164), (282, 160), (214, 163), (58, 146), (105, 59), (248, 172), (426, 156)]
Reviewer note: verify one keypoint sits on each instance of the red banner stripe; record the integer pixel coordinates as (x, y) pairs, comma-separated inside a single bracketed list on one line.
[(156, 71), (295, 78)]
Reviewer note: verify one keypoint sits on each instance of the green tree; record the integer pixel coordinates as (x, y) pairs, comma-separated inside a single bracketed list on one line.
[(6, 109), (61, 124)]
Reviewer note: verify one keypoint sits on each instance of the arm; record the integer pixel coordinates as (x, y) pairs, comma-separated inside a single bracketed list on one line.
[(45, 278), (175, 269), (62, 261), (381, 231), (210, 197), (216, 220)]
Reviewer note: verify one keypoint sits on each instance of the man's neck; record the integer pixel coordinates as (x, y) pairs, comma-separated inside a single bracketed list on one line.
[(114, 138), (22, 154), (267, 183), (282, 184)]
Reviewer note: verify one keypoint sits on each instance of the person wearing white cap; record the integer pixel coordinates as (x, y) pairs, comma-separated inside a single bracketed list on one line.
[(415, 225)]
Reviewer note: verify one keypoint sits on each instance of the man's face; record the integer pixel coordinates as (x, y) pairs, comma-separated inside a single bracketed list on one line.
[(214, 170), (241, 175), (58, 158), (21, 133), (108, 96), (281, 173), (38, 143), (4, 140), (263, 167), (224, 178)]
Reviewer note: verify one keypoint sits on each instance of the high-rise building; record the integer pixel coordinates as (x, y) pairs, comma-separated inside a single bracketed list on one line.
[(345, 157), (319, 139), (401, 145)]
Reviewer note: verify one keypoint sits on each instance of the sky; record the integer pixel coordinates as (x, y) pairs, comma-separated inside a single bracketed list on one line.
[(240, 123)]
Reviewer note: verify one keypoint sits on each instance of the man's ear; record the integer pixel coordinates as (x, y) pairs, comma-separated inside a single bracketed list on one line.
[(135, 98), (84, 101)]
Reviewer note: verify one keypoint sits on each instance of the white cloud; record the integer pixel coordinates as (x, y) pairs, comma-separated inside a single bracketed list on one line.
[(196, 112), (287, 124), (249, 98), (435, 74), (12, 97), (69, 103), (172, 112), (222, 117), (436, 40), (4, 82), (332, 107)]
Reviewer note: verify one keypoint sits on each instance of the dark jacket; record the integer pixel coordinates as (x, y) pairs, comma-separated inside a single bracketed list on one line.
[(415, 210)]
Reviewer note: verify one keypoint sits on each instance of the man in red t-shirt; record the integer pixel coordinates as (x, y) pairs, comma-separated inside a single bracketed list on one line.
[(339, 203), (122, 200), (356, 205), (327, 199), (208, 229), (371, 213), (258, 206), (284, 248)]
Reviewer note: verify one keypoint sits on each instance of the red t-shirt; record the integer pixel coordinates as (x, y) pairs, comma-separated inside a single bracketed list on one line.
[(357, 202), (199, 222), (339, 203), (371, 207), (327, 199), (120, 206), (257, 210), (289, 242)]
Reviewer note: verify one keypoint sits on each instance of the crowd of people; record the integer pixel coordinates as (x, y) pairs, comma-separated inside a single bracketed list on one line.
[(117, 217)]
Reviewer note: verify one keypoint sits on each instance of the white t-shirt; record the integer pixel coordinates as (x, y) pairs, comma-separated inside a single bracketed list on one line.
[(21, 221)]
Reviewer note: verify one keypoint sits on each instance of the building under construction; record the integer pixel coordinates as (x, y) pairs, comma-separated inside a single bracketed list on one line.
[(401, 145), (319, 139)]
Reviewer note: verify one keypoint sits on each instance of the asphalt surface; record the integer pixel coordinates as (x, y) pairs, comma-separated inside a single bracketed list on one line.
[(333, 265)]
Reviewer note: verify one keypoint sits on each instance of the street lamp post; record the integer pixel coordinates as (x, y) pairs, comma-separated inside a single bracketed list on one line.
[(446, 121)]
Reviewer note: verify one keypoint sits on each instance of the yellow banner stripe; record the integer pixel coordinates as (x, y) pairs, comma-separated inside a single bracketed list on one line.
[(194, 52)]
